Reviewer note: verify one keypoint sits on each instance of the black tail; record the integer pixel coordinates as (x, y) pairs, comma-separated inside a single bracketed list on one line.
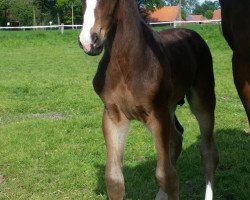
[(178, 125)]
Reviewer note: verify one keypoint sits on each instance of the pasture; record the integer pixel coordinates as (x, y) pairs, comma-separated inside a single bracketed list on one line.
[(51, 143)]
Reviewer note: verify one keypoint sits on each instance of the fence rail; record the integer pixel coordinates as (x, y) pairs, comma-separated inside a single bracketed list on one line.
[(62, 27), (176, 23), (39, 27)]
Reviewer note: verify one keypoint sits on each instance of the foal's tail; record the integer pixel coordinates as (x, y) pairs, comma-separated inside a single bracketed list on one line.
[(178, 125)]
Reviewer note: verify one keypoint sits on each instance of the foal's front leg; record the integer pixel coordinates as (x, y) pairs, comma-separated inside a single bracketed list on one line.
[(115, 127)]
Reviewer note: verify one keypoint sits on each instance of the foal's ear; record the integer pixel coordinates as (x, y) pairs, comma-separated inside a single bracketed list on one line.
[(144, 14)]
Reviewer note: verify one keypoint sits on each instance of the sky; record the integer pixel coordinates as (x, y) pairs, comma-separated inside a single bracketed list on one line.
[(201, 1)]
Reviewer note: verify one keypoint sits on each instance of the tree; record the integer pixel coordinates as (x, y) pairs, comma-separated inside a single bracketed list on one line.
[(208, 14), (207, 8), (187, 5), (21, 11), (153, 4), (65, 8), (46, 10), (4, 5)]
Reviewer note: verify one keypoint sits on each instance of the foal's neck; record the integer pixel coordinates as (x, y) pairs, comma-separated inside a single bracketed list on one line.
[(128, 13), (128, 28)]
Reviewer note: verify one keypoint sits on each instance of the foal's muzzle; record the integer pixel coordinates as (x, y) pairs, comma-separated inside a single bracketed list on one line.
[(94, 48)]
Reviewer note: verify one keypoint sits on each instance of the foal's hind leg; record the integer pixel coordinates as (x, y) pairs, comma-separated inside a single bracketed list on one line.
[(162, 127), (202, 103), (115, 127)]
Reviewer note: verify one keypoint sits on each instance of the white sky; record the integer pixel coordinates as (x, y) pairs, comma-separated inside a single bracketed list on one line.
[(201, 1)]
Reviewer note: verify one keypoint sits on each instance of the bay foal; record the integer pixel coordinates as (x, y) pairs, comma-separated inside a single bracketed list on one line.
[(236, 29), (143, 75)]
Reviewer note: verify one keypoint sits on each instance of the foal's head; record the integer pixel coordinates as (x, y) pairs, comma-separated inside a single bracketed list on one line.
[(98, 19)]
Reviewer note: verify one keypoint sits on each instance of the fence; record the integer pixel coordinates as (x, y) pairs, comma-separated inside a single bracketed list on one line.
[(179, 23), (62, 27)]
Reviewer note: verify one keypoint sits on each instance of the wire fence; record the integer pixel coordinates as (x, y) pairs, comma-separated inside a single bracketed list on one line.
[(62, 26)]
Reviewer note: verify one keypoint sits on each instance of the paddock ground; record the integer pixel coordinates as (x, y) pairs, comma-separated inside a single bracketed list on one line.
[(51, 143)]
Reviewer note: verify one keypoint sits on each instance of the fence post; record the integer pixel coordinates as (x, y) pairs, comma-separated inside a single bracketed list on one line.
[(62, 28)]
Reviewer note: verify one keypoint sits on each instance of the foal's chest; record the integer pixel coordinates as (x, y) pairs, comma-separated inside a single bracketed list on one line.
[(127, 87), (126, 97)]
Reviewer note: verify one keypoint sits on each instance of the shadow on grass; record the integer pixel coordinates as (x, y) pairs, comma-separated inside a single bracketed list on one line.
[(231, 179)]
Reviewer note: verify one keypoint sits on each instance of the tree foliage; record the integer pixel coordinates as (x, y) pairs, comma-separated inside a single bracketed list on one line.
[(21, 10), (207, 8), (153, 4), (4, 5), (41, 12)]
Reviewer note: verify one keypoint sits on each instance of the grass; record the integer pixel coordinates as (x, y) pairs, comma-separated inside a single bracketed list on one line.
[(51, 143)]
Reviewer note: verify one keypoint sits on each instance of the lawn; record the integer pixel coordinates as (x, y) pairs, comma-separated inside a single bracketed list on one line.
[(51, 143)]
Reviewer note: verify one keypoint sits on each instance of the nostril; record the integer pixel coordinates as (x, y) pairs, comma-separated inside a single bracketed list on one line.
[(95, 38)]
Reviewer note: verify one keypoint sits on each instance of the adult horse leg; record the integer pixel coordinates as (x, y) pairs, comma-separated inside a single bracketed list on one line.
[(114, 129), (241, 73), (162, 127), (202, 103)]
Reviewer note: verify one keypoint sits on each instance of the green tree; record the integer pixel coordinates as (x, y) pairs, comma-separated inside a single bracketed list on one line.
[(187, 5), (153, 4), (208, 14), (207, 8), (65, 8), (21, 11), (24, 12), (46, 10), (4, 6)]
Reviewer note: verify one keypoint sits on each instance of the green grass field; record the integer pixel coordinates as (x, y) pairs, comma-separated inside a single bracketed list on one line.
[(51, 143)]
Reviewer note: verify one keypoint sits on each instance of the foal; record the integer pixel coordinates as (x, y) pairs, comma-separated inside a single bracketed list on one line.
[(143, 75)]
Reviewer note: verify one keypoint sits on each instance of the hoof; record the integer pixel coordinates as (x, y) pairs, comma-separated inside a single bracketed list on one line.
[(161, 195)]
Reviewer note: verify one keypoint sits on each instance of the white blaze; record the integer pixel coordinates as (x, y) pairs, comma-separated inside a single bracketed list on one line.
[(89, 21), (209, 192)]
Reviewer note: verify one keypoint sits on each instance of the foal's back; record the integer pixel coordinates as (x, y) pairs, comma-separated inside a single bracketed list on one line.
[(189, 57)]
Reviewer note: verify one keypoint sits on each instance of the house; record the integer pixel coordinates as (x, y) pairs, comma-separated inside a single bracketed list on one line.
[(165, 14), (195, 18), (217, 15)]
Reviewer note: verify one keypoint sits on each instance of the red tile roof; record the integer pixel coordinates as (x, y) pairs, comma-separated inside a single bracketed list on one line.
[(217, 15), (195, 18), (165, 14)]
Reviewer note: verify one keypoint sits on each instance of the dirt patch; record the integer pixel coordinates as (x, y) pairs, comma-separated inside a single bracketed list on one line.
[(48, 116), (20, 118)]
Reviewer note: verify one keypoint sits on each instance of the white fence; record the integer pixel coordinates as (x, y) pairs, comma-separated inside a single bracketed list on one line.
[(179, 23), (40, 27), (62, 27)]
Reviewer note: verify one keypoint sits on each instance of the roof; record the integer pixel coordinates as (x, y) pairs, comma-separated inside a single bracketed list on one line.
[(195, 18), (217, 15), (165, 14)]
